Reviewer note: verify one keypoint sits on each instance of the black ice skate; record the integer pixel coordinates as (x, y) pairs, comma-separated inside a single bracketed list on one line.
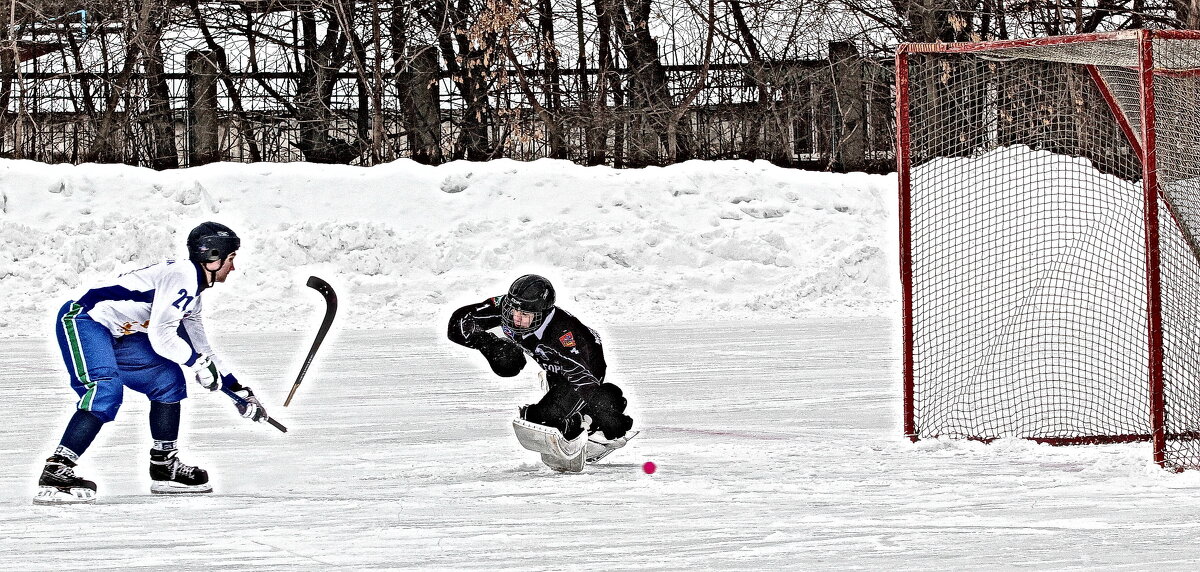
[(168, 475), (59, 485)]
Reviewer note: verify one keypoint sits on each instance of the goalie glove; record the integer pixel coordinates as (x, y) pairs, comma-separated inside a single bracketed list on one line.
[(205, 372), (506, 358), (248, 405), (474, 337)]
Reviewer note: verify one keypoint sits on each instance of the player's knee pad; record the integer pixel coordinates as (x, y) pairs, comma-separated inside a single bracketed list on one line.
[(172, 393), (559, 402), (102, 397), (611, 423), (106, 414), (608, 396), (606, 406)]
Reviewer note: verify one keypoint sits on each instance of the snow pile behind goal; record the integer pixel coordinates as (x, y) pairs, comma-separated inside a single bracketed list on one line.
[(405, 243), (1033, 274)]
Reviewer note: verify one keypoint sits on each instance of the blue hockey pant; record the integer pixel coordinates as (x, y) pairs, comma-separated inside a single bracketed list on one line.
[(101, 365)]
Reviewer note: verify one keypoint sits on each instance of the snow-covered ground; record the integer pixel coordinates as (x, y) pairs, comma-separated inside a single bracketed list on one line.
[(402, 242), (748, 311)]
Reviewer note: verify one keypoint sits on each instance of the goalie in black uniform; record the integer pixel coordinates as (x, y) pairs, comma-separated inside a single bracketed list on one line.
[(578, 402)]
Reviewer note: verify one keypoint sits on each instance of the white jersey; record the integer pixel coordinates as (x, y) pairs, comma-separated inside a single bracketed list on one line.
[(155, 300)]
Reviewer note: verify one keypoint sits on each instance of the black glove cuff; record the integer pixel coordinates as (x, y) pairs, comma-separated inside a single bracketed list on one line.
[(235, 387), (485, 342)]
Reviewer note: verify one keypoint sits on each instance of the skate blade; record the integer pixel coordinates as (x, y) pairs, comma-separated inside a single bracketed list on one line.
[(56, 496), (597, 450), (169, 488)]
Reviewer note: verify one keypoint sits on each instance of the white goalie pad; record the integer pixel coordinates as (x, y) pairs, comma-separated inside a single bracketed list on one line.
[(557, 452)]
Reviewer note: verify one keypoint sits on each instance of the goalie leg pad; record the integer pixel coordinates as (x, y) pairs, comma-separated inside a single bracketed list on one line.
[(606, 406), (557, 452)]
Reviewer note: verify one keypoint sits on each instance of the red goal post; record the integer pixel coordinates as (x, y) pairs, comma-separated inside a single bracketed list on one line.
[(1049, 195)]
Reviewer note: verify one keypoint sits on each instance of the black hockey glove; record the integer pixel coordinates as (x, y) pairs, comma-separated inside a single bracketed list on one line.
[(473, 336), (506, 358), (250, 407)]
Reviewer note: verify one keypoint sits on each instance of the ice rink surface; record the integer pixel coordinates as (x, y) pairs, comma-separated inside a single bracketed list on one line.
[(778, 447)]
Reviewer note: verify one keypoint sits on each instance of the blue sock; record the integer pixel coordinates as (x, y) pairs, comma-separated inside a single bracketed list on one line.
[(164, 421), (81, 431)]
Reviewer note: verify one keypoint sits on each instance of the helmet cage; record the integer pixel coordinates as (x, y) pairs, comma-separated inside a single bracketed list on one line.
[(532, 294), (510, 305)]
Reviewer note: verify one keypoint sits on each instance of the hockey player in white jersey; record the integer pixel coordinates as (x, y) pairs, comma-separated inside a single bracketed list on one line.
[(137, 331)]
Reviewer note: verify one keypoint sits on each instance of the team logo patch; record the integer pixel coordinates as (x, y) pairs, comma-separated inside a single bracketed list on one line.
[(567, 340)]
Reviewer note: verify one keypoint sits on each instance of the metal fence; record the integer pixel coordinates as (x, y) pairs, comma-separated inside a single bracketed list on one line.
[(800, 113)]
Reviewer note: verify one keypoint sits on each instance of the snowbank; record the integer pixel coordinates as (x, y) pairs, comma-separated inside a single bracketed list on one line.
[(404, 242)]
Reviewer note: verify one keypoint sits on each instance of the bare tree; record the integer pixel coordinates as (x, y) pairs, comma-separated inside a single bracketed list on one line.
[(417, 83), (323, 56), (1187, 13), (10, 58), (162, 149), (528, 46), (469, 51), (246, 30), (647, 87), (107, 146)]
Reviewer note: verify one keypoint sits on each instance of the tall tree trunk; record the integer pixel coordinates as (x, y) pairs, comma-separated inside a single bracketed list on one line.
[(322, 59), (1187, 13), (474, 143), (609, 80), (956, 92), (235, 98), (417, 83), (594, 132), (203, 127), (768, 122), (108, 146), (552, 109), (8, 67), (369, 118), (164, 154), (648, 93), (469, 65), (935, 20), (850, 105)]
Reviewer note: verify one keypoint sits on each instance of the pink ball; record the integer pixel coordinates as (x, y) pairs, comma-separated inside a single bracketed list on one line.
[(649, 467)]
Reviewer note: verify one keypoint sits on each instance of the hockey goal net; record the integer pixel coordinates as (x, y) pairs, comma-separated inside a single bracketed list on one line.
[(1049, 208)]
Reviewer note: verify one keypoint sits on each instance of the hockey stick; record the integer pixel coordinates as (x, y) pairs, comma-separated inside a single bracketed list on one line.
[(330, 309), (240, 401)]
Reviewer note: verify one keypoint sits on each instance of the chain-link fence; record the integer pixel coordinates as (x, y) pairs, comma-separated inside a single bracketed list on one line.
[(832, 113)]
